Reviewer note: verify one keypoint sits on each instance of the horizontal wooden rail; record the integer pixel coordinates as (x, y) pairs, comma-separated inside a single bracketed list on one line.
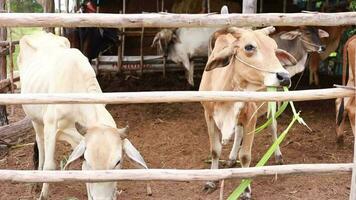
[(167, 174), (174, 20), (172, 97)]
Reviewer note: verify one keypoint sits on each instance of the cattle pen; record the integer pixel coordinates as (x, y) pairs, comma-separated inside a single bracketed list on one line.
[(175, 20)]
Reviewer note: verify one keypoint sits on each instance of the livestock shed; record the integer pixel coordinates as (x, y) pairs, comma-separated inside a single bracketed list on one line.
[(64, 118)]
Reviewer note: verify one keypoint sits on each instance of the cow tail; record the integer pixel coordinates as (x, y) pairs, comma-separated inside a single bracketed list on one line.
[(340, 114), (344, 63), (35, 156)]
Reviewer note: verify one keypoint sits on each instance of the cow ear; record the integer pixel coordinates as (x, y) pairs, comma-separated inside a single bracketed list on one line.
[(175, 38), (291, 35), (133, 153), (322, 33), (77, 153), (156, 39), (285, 58), (220, 59), (80, 128)]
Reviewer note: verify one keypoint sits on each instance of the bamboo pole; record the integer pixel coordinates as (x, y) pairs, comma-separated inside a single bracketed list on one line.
[(141, 50), (171, 97), (167, 174), (353, 177), (175, 20)]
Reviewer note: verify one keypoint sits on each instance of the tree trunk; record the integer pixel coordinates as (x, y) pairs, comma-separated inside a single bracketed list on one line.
[(3, 71)]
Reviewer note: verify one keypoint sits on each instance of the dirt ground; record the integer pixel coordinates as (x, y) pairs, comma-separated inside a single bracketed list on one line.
[(175, 136)]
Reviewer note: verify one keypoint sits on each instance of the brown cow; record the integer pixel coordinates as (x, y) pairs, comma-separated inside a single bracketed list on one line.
[(242, 60), (331, 43), (347, 106)]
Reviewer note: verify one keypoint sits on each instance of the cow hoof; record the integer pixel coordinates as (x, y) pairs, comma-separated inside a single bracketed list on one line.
[(231, 163), (209, 187), (340, 141), (279, 160), (37, 188), (246, 196)]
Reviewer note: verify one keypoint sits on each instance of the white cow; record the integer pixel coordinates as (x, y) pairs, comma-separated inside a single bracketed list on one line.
[(182, 44), (48, 65)]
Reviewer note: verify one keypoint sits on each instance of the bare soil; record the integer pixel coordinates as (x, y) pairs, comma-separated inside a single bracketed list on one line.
[(175, 136)]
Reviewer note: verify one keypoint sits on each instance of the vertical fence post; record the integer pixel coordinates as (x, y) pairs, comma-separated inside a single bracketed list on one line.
[(353, 179), (3, 66)]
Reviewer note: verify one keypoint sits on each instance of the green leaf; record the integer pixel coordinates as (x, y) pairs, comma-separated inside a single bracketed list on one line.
[(246, 182)]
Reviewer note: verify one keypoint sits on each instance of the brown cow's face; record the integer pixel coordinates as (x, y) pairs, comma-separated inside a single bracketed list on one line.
[(309, 36), (253, 55), (103, 149)]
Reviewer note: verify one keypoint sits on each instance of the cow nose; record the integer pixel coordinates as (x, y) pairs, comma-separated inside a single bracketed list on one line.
[(321, 49), (283, 78)]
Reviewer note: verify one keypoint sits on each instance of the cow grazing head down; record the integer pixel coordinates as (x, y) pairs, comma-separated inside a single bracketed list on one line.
[(164, 39), (103, 149), (253, 55), (309, 36)]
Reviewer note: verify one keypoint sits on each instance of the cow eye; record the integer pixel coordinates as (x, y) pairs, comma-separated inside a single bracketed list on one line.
[(118, 162), (249, 47)]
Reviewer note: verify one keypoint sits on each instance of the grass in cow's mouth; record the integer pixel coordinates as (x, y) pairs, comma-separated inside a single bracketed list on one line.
[(272, 114)]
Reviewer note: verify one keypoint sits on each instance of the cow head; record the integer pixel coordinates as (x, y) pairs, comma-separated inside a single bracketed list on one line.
[(252, 56), (164, 39), (309, 36), (103, 149)]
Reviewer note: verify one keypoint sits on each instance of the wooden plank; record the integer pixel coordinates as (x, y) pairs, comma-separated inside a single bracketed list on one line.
[(171, 97), (168, 174), (175, 20)]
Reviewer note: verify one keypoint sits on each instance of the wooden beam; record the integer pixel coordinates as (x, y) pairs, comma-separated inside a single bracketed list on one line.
[(6, 43), (15, 130), (175, 20), (167, 174), (171, 97)]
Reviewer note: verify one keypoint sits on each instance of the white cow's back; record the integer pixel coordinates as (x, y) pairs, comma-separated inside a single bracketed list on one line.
[(60, 69), (194, 41)]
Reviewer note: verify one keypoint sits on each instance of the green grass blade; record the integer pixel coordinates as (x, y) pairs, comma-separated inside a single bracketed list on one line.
[(246, 182), (269, 121)]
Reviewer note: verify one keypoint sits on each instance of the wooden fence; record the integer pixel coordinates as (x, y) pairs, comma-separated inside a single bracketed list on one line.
[(173, 20)]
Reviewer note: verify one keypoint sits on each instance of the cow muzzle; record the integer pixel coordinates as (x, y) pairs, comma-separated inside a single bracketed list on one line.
[(101, 191), (321, 49), (283, 79)]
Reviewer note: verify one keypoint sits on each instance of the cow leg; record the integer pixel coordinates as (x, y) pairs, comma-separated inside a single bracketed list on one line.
[(313, 69), (39, 158), (215, 150), (277, 153), (189, 70), (245, 151), (340, 120), (235, 147), (40, 143), (191, 73), (50, 132)]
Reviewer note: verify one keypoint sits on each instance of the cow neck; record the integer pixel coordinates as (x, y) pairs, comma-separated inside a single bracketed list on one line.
[(97, 114), (239, 83)]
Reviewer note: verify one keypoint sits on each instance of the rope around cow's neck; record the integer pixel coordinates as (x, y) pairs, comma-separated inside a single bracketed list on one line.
[(311, 44), (253, 66)]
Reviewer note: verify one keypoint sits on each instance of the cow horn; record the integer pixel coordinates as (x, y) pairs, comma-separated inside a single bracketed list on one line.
[(268, 30), (124, 131)]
